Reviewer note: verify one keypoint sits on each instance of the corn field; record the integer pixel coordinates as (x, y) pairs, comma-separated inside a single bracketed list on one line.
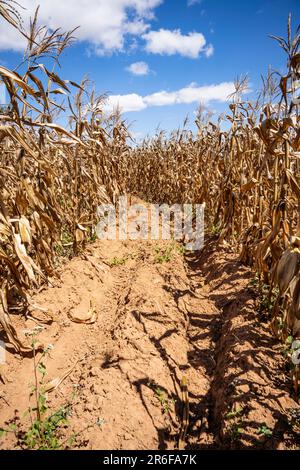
[(53, 177)]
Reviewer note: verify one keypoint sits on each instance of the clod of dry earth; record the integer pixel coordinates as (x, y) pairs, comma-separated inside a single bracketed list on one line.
[(192, 317)]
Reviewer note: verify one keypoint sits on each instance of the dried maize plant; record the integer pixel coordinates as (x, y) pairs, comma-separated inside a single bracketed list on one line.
[(30, 211), (285, 253), (273, 241), (51, 178), (96, 170)]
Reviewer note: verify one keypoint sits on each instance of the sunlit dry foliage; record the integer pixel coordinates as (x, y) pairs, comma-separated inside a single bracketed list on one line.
[(51, 178), (244, 167)]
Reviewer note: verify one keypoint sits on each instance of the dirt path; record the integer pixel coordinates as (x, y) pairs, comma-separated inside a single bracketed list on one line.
[(190, 318)]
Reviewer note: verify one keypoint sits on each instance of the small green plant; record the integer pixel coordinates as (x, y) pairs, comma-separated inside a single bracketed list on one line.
[(117, 261), (64, 248), (66, 237), (234, 413), (267, 297), (236, 427), (44, 432), (236, 430), (10, 428), (265, 431), (287, 349), (181, 249), (163, 399), (164, 255), (215, 229), (92, 235), (254, 282)]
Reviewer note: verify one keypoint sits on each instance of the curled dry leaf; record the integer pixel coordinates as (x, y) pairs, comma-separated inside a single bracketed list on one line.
[(91, 316), (287, 268), (56, 382)]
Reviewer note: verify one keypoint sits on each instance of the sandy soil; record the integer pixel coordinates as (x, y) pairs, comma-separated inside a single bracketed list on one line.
[(191, 318)]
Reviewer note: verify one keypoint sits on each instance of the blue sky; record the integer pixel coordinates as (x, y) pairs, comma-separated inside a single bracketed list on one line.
[(160, 58)]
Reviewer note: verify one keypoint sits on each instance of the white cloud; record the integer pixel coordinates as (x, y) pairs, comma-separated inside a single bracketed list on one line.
[(138, 68), (2, 94), (161, 98), (10, 38), (173, 42), (187, 95), (209, 50), (137, 27), (103, 23), (126, 103)]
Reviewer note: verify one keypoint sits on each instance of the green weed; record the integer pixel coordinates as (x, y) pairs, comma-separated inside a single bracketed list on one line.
[(265, 431), (117, 261), (163, 399), (164, 255)]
